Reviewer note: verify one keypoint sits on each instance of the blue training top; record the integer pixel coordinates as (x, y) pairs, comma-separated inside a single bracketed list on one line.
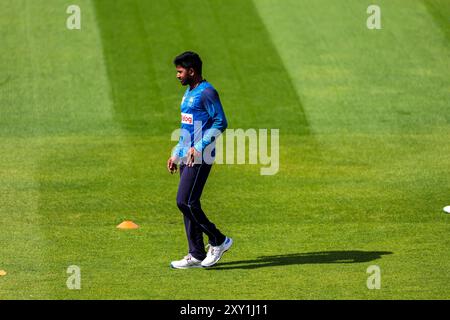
[(201, 111)]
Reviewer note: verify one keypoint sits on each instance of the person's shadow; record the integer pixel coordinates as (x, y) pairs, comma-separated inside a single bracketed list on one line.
[(351, 256)]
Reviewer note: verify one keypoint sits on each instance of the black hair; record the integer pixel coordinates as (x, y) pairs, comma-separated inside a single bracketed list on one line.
[(188, 60)]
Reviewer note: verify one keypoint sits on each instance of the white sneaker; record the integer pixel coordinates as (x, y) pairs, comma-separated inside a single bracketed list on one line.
[(215, 253), (186, 263)]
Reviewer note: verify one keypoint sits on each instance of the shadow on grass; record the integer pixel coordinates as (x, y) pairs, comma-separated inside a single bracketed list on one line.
[(352, 256)]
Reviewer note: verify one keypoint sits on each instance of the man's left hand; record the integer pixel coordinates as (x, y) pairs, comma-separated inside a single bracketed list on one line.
[(192, 154)]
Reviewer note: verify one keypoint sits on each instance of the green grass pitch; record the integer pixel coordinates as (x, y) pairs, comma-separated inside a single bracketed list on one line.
[(364, 118)]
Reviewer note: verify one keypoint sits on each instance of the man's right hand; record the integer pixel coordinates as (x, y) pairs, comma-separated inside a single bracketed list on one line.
[(172, 164)]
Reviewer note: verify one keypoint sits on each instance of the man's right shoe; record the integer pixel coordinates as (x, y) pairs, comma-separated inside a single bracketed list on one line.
[(186, 263)]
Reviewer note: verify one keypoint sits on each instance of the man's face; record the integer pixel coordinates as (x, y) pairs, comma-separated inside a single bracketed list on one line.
[(184, 75)]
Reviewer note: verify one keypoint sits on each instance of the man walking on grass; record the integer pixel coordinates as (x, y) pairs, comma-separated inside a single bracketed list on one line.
[(202, 116)]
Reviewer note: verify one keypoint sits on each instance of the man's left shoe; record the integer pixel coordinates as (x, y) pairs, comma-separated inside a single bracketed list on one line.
[(215, 253)]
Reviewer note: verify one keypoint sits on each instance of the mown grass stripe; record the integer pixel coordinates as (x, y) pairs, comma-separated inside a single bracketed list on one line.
[(140, 40)]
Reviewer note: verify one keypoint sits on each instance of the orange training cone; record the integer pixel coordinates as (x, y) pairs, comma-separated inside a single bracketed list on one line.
[(128, 225)]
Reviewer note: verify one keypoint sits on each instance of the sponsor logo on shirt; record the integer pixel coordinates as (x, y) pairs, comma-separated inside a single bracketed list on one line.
[(187, 118)]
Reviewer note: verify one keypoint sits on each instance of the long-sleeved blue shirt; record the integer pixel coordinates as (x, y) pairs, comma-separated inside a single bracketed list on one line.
[(201, 110)]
